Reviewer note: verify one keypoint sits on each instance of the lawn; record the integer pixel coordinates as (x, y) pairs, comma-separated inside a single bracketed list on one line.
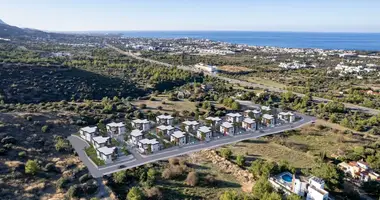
[(91, 152)]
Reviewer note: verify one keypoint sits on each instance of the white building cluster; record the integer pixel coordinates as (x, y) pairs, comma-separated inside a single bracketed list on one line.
[(295, 65), (206, 68), (346, 69)]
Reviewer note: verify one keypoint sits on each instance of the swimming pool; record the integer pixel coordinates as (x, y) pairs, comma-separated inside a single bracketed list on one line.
[(287, 178)]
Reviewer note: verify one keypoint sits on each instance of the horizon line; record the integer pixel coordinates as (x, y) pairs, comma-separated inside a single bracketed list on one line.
[(263, 31)]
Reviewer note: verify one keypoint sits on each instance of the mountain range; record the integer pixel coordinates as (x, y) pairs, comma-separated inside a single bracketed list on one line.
[(9, 31)]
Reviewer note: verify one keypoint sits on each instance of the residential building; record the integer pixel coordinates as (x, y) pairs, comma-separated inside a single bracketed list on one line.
[(191, 126), (88, 132), (136, 136), (204, 133), (165, 130), (101, 141), (149, 145), (216, 121), (268, 120), (287, 117), (116, 130), (227, 128), (206, 68), (178, 137), (249, 124), (141, 124), (108, 154), (316, 191), (165, 119), (234, 117), (266, 109), (359, 170)]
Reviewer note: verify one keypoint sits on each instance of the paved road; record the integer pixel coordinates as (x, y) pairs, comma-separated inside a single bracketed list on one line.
[(78, 144), (246, 83)]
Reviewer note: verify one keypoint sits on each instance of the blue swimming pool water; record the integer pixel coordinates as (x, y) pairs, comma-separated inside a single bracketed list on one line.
[(287, 178)]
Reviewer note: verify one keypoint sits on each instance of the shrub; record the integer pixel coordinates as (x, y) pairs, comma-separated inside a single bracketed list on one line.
[(84, 178), (74, 191), (153, 193), (226, 153), (31, 167), (8, 140), (62, 183), (173, 161), (50, 167), (172, 172), (142, 106), (22, 154), (135, 194), (90, 187), (240, 160), (62, 144), (192, 179), (45, 129), (210, 179)]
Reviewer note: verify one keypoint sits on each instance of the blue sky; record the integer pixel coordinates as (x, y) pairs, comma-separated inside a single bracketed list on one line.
[(254, 15)]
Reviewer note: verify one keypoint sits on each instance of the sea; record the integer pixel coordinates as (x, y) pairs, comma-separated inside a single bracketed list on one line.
[(343, 41)]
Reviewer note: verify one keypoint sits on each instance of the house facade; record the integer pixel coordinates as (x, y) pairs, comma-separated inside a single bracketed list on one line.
[(108, 154), (287, 117), (165, 120), (88, 132), (359, 170), (148, 145), (234, 117), (165, 130), (191, 126), (136, 136), (141, 124), (215, 121), (178, 137), (204, 133), (227, 128), (116, 130), (268, 120), (249, 124), (101, 141)]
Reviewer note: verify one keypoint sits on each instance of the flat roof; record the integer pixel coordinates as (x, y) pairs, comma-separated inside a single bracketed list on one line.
[(189, 123), (89, 129), (249, 120), (227, 125), (163, 127), (213, 118), (106, 150), (204, 129), (285, 113), (267, 108), (178, 134), (136, 133), (140, 121), (165, 117), (267, 116), (100, 139), (148, 141), (234, 115), (114, 124)]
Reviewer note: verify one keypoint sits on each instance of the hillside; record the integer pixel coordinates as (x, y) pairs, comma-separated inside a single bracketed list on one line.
[(9, 31)]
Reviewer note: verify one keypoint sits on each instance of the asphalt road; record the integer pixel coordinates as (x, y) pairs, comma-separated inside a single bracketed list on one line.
[(79, 144), (245, 83)]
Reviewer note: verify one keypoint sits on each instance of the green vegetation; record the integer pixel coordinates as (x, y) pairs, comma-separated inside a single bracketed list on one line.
[(91, 153), (31, 167)]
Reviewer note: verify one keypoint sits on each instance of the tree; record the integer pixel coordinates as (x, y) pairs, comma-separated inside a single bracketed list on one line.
[(226, 153), (229, 195), (328, 172), (372, 187), (271, 196), (31, 167), (240, 160), (119, 177), (135, 194), (293, 197), (45, 129), (261, 187), (151, 174), (192, 179), (235, 106), (61, 144)]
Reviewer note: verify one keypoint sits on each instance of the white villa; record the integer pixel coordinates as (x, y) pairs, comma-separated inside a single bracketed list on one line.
[(101, 141), (165, 130), (287, 117), (136, 136), (178, 137), (165, 119), (252, 113), (204, 133), (88, 132), (191, 125), (316, 189), (108, 154), (116, 130), (141, 124), (227, 128), (249, 124), (216, 121), (268, 120), (149, 145), (234, 117), (265, 109)]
